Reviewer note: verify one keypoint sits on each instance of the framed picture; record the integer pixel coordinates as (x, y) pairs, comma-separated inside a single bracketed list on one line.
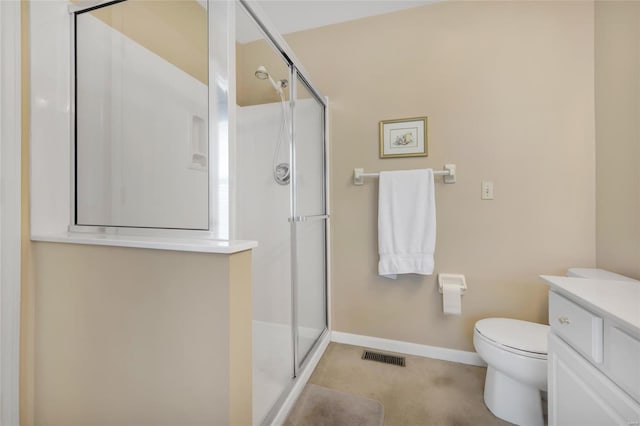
[(406, 137)]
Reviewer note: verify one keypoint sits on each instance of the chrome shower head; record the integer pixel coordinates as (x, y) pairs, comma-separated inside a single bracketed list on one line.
[(261, 73)]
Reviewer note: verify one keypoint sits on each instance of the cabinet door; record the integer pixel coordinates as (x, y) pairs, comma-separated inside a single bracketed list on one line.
[(581, 395)]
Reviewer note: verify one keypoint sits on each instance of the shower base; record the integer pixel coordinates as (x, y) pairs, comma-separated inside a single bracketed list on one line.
[(273, 364)]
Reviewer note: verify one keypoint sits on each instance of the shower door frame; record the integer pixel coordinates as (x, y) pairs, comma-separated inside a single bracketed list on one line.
[(297, 72), (10, 217), (294, 77)]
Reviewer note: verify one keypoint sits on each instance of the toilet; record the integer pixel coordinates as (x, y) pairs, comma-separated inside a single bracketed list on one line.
[(516, 355)]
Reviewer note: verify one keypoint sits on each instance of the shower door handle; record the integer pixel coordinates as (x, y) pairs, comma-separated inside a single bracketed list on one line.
[(308, 218)]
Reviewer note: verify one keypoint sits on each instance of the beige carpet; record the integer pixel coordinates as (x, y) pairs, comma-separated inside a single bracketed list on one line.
[(425, 392), (319, 406)]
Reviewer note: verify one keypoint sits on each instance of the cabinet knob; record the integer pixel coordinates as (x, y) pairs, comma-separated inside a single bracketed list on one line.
[(564, 320)]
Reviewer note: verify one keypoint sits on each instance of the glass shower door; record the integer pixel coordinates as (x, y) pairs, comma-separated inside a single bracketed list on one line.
[(309, 220), (278, 185), (262, 208)]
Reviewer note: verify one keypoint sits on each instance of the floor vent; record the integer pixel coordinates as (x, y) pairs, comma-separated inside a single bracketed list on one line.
[(387, 359)]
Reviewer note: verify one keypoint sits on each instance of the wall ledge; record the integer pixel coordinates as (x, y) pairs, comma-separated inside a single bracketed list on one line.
[(454, 355), (200, 245)]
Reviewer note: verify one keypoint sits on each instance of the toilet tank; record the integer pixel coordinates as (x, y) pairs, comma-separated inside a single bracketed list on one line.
[(599, 274)]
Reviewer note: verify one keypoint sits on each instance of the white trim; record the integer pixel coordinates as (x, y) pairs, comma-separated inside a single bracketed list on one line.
[(198, 245), (454, 355), (10, 193), (301, 381)]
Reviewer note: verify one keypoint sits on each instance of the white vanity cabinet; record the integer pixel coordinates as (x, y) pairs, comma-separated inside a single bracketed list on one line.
[(594, 352)]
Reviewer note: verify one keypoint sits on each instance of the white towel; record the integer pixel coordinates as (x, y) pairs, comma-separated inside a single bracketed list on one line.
[(406, 223)]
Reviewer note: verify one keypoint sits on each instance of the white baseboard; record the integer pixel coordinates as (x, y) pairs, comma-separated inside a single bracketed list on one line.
[(463, 357), (301, 381)]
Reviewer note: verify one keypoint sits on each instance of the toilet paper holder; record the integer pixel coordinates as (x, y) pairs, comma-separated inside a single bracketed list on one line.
[(456, 279)]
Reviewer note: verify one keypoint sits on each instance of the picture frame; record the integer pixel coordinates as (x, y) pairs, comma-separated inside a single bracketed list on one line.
[(405, 137)]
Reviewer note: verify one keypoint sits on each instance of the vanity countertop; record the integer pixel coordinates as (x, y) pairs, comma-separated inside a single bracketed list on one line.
[(619, 300)]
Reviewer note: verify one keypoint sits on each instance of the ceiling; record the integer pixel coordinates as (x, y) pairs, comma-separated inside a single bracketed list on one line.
[(296, 15)]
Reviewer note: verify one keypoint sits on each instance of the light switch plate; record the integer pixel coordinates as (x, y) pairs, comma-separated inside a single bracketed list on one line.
[(487, 190)]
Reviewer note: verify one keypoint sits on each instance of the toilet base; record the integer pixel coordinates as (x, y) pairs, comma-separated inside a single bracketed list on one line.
[(511, 400)]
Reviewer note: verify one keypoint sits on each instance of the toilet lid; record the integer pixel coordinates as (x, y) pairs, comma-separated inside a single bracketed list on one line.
[(522, 335)]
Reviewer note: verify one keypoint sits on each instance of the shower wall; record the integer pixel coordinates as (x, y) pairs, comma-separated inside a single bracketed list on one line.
[(262, 209), (263, 206), (136, 158)]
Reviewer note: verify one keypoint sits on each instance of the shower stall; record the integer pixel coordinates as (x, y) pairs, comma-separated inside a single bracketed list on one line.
[(192, 124), (281, 202)]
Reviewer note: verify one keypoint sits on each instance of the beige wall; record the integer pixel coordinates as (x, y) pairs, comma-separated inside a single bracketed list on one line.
[(618, 133), (252, 91), (129, 336), (249, 89), (240, 339), (508, 89)]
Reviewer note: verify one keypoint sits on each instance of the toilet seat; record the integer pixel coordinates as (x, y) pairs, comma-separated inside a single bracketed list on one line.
[(519, 337)]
